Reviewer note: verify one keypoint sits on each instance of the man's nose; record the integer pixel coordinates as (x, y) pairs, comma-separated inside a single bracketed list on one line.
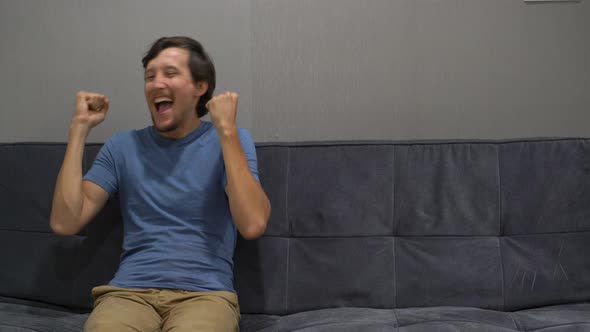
[(159, 82)]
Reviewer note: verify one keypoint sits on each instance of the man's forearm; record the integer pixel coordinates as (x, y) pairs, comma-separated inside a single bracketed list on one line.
[(68, 198), (249, 205)]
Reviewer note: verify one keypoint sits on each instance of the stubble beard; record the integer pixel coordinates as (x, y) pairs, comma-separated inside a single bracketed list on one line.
[(171, 127)]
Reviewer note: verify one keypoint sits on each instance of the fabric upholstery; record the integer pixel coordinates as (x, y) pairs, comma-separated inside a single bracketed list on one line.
[(471, 235), (26, 316)]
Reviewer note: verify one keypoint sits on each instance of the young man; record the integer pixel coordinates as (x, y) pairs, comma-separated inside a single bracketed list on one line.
[(184, 185)]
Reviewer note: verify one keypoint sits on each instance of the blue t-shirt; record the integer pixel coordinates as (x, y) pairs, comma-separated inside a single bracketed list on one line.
[(178, 229)]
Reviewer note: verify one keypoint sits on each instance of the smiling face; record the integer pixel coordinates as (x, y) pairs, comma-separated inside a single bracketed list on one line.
[(171, 94)]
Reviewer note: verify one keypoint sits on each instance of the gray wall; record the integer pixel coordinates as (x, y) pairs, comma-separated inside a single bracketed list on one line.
[(310, 69)]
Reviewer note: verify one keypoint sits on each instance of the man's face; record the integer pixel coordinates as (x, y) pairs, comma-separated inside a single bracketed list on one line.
[(169, 89)]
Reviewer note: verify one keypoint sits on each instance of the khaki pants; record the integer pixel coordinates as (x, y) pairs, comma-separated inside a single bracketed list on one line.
[(147, 310)]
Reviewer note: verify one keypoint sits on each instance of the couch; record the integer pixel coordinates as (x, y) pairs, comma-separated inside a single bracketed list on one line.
[(463, 235)]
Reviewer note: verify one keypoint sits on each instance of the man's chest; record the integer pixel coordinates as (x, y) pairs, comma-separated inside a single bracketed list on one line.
[(175, 183)]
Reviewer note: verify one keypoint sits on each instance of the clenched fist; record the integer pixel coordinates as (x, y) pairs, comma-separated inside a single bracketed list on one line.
[(223, 109), (91, 109)]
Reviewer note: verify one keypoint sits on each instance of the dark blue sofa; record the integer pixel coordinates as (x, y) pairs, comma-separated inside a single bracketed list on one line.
[(364, 236)]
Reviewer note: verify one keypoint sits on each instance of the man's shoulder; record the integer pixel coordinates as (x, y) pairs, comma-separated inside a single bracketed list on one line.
[(243, 132), (125, 139), (246, 139), (125, 136)]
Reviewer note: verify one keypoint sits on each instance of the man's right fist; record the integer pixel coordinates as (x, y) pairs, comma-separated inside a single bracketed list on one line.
[(91, 109)]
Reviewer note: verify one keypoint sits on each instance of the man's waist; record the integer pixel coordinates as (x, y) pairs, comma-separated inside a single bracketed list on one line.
[(186, 279)]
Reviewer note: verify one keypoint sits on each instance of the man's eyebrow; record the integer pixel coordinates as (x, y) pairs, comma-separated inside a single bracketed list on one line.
[(167, 67)]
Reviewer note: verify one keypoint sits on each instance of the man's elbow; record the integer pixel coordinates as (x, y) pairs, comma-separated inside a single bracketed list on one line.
[(256, 226), (255, 229), (61, 229)]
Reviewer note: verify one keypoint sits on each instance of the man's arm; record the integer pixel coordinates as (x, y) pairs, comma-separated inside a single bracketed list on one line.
[(250, 208), (76, 202)]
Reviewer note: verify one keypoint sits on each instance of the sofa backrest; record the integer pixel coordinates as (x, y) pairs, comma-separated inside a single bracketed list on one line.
[(36, 264), (492, 224)]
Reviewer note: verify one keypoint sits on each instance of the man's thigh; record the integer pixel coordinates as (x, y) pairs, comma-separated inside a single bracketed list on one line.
[(207, 311), (116, 309)]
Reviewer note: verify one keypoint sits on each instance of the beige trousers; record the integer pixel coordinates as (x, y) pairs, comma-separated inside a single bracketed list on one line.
[(147, 310)]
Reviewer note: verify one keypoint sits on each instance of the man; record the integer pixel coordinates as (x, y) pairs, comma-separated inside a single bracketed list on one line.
[(184, 187)]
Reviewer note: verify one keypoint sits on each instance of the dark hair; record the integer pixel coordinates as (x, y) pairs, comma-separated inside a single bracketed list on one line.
[(200, 64)]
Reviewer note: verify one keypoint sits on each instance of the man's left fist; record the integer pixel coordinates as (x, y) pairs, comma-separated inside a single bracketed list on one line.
[(223, 109)]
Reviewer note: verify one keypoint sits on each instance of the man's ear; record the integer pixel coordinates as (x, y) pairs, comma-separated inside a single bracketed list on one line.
[(201, 88)]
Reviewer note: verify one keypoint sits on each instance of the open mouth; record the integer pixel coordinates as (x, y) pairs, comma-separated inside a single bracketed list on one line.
[(163, 104)]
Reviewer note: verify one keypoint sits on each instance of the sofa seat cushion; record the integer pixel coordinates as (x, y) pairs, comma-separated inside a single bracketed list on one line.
[(338, 319), (25, 316), (453, 319), (561, 318), (370, 320), (557, 318)]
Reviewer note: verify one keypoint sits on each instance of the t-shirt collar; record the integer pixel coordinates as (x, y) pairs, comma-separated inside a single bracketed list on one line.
[(190, 137)]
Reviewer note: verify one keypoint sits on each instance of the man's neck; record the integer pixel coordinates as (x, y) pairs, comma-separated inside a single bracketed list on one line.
[(184, 129)]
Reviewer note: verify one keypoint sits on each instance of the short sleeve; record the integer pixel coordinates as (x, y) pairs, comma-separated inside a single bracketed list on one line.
[(104, 169), (250, 151)]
